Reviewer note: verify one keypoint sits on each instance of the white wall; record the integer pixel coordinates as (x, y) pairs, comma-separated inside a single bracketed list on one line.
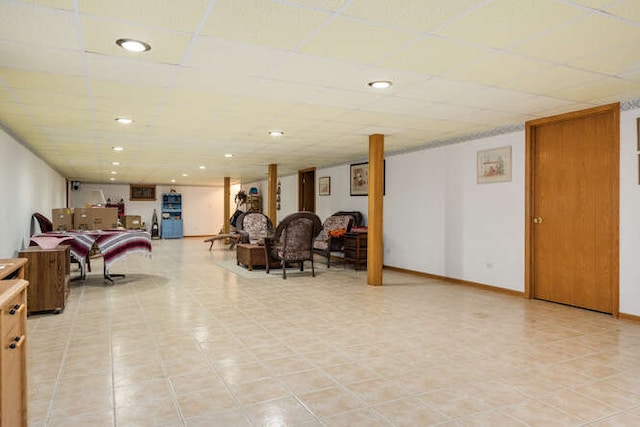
[(629, 214), (202, 207), (439, 220), (27, 185)]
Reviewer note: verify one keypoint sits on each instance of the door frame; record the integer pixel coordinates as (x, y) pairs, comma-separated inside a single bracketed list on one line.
[(301, 173), (530, 140)]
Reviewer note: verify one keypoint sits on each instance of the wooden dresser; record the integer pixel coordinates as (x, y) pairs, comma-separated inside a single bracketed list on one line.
[(355, 249), (48, 274), (13, 364), (12, 268)]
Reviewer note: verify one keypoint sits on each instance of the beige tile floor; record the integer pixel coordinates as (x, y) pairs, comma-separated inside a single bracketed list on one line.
[(188, 339)]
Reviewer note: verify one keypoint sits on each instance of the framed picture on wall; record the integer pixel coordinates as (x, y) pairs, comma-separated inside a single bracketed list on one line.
[(324, 186), (494, 165), (359, 179), (638, 132)]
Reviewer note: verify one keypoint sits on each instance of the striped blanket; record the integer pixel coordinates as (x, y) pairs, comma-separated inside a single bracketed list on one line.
[(112, 244)]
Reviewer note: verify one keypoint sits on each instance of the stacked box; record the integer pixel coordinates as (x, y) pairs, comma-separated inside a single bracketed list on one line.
[(62, 219), (132, 222), (82, 219), (104, 218)]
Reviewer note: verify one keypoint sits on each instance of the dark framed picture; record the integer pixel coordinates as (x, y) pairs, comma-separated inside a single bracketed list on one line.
[(638, 132), (359, 179), (140, 192), (324, 186)]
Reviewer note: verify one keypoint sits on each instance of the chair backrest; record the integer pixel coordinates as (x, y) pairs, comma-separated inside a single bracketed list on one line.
[(44, 223), (335, 222), (357, 217), (296, 233), (256, 224)]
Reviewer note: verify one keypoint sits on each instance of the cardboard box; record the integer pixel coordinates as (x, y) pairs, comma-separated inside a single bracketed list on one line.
[(104, 218), (132, 222), (62, 219), (82, 219)]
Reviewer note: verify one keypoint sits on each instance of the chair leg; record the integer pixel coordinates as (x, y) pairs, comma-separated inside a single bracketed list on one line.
[(313, 271), (284, 270), (301, 265), (329, 260)]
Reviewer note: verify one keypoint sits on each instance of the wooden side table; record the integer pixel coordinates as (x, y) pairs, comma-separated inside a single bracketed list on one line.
[(355, 249), (253, 256), (48, 273)]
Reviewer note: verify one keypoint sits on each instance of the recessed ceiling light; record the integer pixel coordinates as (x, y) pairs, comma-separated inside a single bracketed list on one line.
[(124, 120), (133, 45), (114, 173), (112, 179), (228, 155), (185, 174), (117, 148), (203, 167), (173, 180), (380, 84), (115, 163), (276, 133)]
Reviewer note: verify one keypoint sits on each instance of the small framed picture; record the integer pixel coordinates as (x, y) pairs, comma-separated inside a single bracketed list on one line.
[(638, 132), (324, 186), (494, 165)]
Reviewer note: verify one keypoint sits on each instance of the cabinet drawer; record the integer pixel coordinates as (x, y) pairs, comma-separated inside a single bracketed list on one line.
[(12, 315)]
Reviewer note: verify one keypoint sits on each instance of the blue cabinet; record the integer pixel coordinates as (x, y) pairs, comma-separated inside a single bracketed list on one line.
[(172, 216)]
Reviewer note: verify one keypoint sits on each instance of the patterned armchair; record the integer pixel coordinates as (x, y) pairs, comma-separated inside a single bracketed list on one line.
[(331, 238), (293, 241), (253, 227)]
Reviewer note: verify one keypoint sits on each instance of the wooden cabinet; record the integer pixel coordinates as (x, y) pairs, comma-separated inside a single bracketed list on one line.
[(355, 249), (12, 268), (47, 272), (172, 216), (13, 366)]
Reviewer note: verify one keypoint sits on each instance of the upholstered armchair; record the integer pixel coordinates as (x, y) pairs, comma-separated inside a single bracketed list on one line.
[(253, 227), (331, 237), (292, 241)]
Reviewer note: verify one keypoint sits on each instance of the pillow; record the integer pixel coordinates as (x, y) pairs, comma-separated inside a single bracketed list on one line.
[(338, 232)]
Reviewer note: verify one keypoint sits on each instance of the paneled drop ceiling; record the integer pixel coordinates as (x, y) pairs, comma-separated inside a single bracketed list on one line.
[(222, 73)]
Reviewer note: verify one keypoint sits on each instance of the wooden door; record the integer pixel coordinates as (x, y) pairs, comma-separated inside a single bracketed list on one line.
[(573, 210), (307, 190)]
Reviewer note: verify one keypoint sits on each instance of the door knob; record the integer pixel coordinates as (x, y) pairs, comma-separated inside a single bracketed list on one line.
[(537, 220)]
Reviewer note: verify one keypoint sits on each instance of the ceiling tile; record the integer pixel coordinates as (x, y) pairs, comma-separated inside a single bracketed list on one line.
[(356, 41), (330, 5), (607, 86), (629, 9), (223, 56), (594, 33), (54, 4), (509, 21), (27, 24), (420, 16), (262, 22), (497, 69), (40, 58), (547, 81), (433, 56), (41, 81), (130, 71), (183, 15), (612, 61)]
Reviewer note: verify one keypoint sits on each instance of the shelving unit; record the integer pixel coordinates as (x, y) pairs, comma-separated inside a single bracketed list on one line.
[(254, 203), (172, 216)]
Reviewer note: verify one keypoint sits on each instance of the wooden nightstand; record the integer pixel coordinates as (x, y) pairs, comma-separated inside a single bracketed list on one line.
[(355, 249)]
